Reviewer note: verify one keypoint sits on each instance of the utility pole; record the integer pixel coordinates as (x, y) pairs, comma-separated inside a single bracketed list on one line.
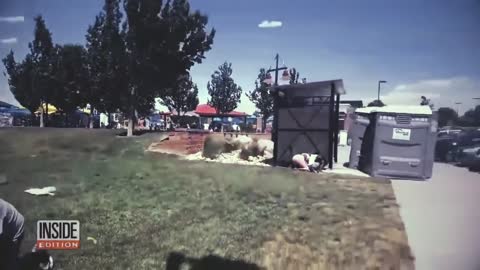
[(458, 103), (380, 82), (275, 106)]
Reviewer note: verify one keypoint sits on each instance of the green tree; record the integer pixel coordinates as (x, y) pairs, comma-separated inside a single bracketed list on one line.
[(294, 76), (20, 81), (376, 103), (224, 92), (107, 61), (183, 97), (471, 117), (447, 117), (261, 97), (71, 77), (163, 42), (43, 55)]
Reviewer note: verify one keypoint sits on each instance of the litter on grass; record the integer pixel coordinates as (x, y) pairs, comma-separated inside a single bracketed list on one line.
[(42, 191)]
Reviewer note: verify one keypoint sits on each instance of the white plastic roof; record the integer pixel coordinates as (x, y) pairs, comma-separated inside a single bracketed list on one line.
[(344, 108), (406, 109)]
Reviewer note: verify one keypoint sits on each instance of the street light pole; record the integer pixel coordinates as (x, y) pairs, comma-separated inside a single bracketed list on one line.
[(380, 82), (458, 103), (276, 69), (275, 113)]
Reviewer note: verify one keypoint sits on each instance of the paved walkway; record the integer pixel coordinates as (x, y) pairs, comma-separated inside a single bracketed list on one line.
[(441, 216)]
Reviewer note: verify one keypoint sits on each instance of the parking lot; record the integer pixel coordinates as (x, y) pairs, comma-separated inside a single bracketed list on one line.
[(442, 218)]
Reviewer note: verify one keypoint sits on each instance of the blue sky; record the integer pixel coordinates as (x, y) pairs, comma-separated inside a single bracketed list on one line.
[(421, 47)]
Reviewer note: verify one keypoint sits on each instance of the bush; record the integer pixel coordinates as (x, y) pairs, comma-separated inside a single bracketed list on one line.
[(213, 146)]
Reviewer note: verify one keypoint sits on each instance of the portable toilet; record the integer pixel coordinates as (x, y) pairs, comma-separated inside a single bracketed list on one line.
[(355, 133), (399, 142)]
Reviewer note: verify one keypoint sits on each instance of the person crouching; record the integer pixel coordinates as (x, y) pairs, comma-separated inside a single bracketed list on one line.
[(308, 162), (11, 235)]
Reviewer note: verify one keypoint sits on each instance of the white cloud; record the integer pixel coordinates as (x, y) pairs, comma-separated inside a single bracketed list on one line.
[(270, 24), (12, 19), (442, 93), (8, 40)]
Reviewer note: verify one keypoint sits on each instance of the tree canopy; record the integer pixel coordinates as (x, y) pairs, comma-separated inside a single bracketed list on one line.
[(42, 53), (106, 57), (71, 78), (183, 97), (471, 117), (32, 81), (261, 97), (447, 116), (376, 103), (126, 64), (294, 76), (20, 80), (224, 93)]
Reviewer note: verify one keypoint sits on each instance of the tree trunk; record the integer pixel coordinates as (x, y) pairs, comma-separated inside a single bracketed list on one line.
[(46, 114), (131, 125), (42, 124), (91, 120), (66, 120), (264, 124), (131, 118)]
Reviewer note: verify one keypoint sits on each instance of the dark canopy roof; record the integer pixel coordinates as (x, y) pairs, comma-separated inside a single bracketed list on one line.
[(353, 103), (321, 88)]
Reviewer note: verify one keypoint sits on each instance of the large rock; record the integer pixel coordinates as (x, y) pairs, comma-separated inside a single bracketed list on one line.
[(214, 146), (241, 142), (266, 147), (257, 148)]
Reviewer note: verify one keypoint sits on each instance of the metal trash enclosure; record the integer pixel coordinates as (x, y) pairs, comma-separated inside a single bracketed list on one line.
[(306, 120)]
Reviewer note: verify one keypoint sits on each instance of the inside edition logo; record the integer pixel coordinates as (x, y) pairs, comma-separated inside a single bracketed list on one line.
[(58, 234)]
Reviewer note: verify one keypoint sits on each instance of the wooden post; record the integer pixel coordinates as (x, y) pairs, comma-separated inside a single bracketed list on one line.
[(331, 126), (337, 116)]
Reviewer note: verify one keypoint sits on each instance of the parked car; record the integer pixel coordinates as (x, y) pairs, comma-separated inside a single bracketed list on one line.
[(469, 157), (448, 145), (156, 122)]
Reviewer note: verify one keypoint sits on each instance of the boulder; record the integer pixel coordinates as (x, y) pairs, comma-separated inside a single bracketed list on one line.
[(214, 146), (250, 150), (266, 147), (241, 142)]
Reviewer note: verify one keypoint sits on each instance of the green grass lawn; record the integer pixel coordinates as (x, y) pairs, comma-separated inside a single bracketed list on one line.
[(141, 206)]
